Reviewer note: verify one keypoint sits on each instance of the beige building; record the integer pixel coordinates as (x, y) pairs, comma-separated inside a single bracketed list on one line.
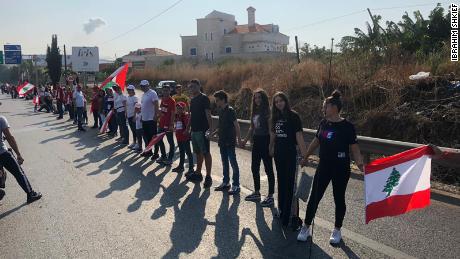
[(141, 58), (219, 36)]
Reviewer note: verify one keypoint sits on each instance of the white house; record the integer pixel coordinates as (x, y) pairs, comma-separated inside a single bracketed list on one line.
[(218, 35)]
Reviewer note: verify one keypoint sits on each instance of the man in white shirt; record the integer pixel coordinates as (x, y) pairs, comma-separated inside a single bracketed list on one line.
[(80, 102), (120, 109), (149, 113)]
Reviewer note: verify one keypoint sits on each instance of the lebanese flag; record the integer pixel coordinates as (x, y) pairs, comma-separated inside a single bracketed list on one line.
[(116, 78), (398, 184), (153, 142), (25, 88), (106, 122)]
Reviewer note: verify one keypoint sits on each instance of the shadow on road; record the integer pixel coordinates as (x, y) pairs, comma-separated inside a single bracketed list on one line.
[(189, 220), (6, 213)]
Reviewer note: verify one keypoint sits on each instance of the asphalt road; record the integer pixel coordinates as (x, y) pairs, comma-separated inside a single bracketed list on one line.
[(103, 201)]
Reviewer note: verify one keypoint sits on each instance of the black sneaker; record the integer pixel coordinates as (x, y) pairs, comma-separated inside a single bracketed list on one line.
[(255, 196), (33, 196), (189, 172), (195, 177), (147, 154), (81, 129), (178, 169), (234, 190), (2, 194), (222, 187), (154, 157), (267, 202), (207, 182), (162, 160)]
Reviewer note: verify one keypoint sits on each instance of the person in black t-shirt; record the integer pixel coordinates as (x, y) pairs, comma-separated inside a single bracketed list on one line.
[(335, 137), (285, 136), (259, 134), (229, 133), (200, 129)]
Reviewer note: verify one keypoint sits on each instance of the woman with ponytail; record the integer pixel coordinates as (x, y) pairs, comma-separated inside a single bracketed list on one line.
[(334, 137)]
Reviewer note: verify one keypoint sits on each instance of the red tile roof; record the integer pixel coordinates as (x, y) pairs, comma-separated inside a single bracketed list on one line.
[(151, 51), (257, 28)]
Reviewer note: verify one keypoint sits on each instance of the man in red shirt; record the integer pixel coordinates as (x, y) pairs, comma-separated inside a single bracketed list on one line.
[(60, 98), (167, 113)]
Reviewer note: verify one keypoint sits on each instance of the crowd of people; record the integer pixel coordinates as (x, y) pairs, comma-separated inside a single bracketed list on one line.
[(275, 133)]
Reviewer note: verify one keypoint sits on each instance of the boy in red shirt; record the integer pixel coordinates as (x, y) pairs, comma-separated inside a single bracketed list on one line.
[(183, 138), (167, 112)]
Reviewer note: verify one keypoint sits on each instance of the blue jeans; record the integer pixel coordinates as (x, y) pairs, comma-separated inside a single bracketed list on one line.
[(228, 155)]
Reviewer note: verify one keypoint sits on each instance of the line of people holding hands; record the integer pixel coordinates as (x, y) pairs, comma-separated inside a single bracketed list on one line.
[(275, 133)]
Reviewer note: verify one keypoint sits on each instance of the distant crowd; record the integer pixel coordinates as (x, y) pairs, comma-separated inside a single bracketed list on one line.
[(185, 112)]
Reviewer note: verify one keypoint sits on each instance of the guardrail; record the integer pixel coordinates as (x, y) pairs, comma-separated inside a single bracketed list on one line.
[(369, 146)]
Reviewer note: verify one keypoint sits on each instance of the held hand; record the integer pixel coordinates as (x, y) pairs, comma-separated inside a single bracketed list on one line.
[(243, 143), (361, 167), (20, 160)]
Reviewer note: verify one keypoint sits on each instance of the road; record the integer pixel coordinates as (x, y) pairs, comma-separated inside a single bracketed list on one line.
[(103, 201)]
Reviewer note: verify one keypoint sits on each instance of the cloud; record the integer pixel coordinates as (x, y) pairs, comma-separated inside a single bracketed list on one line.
[(92, 24)]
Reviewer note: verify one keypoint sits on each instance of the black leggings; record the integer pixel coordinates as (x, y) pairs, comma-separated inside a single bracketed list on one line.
[(260, 151), (184, 148), (11, 164), (339, 174), (286, 168)]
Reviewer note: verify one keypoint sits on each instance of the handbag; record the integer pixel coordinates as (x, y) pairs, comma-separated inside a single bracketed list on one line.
[(304, 183)]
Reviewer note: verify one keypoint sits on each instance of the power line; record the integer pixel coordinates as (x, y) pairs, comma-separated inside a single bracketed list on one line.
[(358, 12), (144, 23)]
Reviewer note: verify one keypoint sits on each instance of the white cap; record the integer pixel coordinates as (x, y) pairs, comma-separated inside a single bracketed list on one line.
[(131, 87), (145, 83)]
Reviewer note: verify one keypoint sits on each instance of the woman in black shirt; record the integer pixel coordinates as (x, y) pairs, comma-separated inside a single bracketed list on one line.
[(285, 136), (259, 134), (335, 137)]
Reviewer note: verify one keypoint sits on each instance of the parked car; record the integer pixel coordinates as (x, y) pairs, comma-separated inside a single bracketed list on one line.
[(172, 84)]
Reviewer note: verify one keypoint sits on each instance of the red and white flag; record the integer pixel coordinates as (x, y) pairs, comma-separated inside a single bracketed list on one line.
[(153, 142), (118, 77), (25, 89), (398, 184), (106, 122)]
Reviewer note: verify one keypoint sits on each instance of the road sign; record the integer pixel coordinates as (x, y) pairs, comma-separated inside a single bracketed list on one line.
[(85, 59), (13, 54), (1, 57)]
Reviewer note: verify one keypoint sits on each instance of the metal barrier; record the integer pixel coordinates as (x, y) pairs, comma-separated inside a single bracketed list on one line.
[(369, 146)]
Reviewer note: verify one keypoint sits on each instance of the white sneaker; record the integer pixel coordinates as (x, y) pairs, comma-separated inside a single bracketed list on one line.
[(132, 145), (304, 234), (336, 236)]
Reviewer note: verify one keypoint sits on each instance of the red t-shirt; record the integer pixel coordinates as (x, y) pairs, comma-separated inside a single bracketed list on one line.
[(168, 106), (181, 123)]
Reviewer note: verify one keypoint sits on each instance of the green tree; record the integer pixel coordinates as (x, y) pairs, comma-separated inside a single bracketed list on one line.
[(392, 181), (54, 61)]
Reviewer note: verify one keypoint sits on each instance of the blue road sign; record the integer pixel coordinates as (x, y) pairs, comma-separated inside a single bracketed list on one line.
[(12, 47), (13, 54)]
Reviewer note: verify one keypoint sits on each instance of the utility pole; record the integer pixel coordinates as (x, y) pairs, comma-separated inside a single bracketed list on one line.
[(330, 62), (65, 62), (297, 49)]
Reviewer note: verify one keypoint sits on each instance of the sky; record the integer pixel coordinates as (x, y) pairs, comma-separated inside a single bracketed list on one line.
[(31, 23)]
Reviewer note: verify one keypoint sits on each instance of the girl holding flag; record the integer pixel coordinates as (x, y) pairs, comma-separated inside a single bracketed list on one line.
[(335, 137)]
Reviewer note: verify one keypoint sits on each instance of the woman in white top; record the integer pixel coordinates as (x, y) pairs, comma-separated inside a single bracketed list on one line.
[(131, 102), (120, 103)]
